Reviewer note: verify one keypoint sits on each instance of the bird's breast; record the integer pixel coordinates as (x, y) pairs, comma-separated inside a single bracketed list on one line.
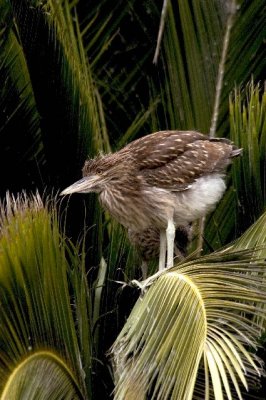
[(137, 210)]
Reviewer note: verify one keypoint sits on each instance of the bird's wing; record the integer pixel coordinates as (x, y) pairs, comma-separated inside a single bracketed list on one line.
[(199, 158), (159, 148)]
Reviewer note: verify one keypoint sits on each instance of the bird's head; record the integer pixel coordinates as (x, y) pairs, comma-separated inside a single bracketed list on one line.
[(99, 173)]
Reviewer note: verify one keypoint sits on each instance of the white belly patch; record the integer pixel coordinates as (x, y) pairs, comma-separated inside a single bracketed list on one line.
[(190, 204), (200, 199)]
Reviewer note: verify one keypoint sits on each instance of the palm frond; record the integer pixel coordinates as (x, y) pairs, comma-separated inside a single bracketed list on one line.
[(248, 130), (246, 54), (50, 378), (208, 311), (21, 144), (201, 46), (72, 124), (244, 201), (191, 54), (41, 275)]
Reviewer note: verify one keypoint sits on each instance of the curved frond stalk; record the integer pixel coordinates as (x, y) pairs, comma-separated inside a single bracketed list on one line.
[(42, 374), (43, 290), (198, 312)]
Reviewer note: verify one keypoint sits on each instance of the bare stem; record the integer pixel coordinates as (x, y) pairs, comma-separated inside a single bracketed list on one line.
[(160, 33)]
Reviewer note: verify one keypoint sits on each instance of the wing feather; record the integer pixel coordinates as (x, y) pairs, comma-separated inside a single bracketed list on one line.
[(173, 160), (202, 157), (159, 148)]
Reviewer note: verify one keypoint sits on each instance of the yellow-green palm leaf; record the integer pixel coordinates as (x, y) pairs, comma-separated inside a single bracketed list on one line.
[(199, 315), (45, 331)]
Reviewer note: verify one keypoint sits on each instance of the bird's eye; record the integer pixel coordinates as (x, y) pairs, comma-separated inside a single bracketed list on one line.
[(98, 171)]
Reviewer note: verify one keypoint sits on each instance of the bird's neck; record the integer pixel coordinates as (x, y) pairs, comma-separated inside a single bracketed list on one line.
[(118, 198), (121, 188)]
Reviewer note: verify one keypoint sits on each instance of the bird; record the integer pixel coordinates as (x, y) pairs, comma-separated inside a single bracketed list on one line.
[(164, 179), (147, 244)]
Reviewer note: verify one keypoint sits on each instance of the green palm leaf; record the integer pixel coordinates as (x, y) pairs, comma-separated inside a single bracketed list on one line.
[(21, 144), (49, 64), (201, 46), (244, 201), (45, 310), (248, 130), (50, 378)]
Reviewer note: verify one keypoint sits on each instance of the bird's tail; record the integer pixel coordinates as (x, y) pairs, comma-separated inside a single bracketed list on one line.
[(235, 150)]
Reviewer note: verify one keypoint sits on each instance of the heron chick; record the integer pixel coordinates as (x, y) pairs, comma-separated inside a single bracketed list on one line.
[(162, 180)]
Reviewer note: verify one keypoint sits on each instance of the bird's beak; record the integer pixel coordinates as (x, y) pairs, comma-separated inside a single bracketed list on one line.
[(84, 185)]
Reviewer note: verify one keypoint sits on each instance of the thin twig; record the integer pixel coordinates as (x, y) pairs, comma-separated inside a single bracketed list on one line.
[(160, 33)]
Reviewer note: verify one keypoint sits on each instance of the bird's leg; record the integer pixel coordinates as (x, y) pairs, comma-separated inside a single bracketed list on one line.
[(162, 250), (144, 269), (170, 239)]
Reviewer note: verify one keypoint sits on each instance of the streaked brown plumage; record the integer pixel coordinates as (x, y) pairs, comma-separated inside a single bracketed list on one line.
[(163, 180)]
